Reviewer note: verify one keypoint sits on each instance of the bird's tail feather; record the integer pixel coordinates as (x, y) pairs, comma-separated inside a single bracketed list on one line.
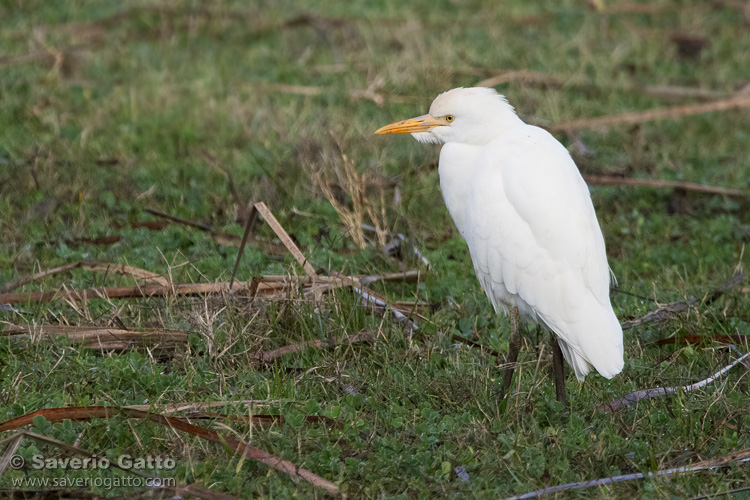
[(601, 347)]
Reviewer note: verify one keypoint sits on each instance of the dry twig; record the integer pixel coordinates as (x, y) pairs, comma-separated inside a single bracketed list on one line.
[(657, 392), (736, 102), (125, 270), (666, 311), (269, 286), (557, 81), (739, 456), (102, 338), (607, 180)]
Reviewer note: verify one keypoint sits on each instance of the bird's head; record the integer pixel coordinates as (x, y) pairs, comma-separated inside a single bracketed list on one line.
[(475, 115)]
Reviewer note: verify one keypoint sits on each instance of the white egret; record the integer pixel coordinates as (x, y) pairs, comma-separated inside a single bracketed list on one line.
[(520, 203)]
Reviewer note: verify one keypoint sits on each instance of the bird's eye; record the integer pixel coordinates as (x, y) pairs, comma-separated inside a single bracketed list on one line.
[(449, 118)]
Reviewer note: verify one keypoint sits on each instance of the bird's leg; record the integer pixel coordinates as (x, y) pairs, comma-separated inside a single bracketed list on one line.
[(558, 371), (513, 347)]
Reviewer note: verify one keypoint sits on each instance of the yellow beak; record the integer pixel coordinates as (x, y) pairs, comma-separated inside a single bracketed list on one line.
[(422, 123)]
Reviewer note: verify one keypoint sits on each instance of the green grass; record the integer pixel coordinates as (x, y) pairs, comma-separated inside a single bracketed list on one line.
[(124, 118)]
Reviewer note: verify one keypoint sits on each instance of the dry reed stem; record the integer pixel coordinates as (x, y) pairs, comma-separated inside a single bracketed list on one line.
[(284, 237)]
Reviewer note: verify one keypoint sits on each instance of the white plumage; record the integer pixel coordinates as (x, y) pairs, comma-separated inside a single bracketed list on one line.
[(523, 208)]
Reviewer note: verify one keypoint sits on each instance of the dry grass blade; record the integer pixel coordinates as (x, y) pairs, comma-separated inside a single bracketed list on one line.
[(178, 488), (657, 392), (605, 180), (739, 456), (666, 311), (355, 186), (103, 338), (84, 413), (362, 336), (122, 269), (736, 102)]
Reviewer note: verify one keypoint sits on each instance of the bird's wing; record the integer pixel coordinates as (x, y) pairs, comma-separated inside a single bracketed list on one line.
[(533, 234)]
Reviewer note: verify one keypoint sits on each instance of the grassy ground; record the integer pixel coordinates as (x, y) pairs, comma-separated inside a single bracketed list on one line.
[(112, 115)]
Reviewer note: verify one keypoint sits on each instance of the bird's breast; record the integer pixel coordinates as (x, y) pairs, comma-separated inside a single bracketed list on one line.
[(458, 170)]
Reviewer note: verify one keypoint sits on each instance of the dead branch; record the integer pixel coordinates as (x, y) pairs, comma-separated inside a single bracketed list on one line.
[(263, 286), (607, 180), (284, 237), (362, 336), (101, 338), (85, 413), (668, 310), (636, 117), (739, 456), (658, 392)]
